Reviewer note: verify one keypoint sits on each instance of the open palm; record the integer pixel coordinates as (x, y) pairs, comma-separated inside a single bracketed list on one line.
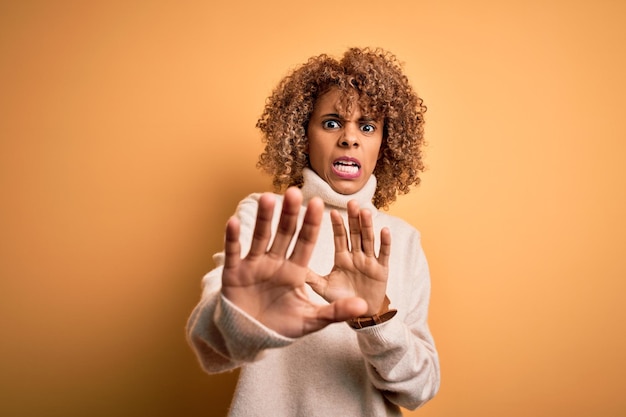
[(270, 286), (357, 270)]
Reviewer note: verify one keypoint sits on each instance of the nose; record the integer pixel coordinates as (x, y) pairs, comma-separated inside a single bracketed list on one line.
[(349, 136)]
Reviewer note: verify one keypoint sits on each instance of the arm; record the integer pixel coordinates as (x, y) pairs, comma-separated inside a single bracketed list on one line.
[(258, 302), (223, 336), (400, 354)]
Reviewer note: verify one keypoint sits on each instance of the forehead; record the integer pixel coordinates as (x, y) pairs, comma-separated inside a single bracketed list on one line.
[(333, 98)]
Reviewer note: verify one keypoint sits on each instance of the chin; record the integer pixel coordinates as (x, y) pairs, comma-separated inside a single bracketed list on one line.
[(346, 189)]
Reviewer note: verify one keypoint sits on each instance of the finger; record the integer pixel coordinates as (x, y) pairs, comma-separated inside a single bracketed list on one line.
[(232, 247), (354, 225), (292, 201), (263, 227), (367, 232), (385, 247), (316, 282), (340, 310), (308, 233), (339, 232)]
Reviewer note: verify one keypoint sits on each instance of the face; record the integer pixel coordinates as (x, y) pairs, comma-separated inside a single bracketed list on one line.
[(343, 150)]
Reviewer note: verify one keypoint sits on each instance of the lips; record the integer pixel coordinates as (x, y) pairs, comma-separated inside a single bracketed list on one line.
[(346, 167)]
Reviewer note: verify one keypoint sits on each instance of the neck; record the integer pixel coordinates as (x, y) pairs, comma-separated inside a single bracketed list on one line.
[(314, 186)]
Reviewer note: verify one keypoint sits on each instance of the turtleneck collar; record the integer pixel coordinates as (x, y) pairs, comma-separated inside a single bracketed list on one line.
[(314, 186)]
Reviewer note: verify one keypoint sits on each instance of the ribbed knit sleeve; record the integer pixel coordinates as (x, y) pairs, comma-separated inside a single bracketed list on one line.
[(400, 353), (222, 335)]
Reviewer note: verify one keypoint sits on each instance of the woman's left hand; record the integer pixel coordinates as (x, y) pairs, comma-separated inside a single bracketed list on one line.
[(357, 271)]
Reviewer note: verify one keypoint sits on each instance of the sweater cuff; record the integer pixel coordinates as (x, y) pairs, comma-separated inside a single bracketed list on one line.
[(247, 337), (375, 338)]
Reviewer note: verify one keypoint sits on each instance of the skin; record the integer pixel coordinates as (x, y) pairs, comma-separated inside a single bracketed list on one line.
[(355, 139), (271, 286)]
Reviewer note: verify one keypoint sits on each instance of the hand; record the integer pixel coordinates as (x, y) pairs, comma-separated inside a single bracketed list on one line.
[(270, 286), (357, 271)]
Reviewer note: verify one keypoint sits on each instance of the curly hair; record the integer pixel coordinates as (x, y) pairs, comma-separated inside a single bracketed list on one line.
[(373, 80)]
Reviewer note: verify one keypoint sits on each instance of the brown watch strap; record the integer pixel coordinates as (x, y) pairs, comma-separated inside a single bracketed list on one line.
[(382, 316)]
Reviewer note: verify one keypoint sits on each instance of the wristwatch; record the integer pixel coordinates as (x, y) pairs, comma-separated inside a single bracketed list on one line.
[(383, 315)]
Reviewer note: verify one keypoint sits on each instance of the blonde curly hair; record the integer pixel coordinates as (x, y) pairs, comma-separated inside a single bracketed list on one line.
[(373, 80)]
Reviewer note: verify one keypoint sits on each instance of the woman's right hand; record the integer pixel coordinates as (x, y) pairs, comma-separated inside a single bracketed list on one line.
[(270, 286)]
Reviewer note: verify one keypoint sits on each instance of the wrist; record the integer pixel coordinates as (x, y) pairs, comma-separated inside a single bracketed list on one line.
[(384, 314)]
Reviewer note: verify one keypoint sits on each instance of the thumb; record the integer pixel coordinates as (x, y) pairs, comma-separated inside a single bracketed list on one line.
[(347, 308), (317, 282)]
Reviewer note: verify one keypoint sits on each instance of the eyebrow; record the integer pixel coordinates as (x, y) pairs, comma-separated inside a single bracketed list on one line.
[(338, 116)]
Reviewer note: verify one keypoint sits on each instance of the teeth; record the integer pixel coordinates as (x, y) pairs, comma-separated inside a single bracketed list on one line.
[(347, 167)]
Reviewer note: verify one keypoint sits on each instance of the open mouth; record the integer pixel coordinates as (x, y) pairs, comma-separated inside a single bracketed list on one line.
[(347, 166)]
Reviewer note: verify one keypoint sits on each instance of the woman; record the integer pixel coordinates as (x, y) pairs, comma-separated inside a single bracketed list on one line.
[(343, 137)]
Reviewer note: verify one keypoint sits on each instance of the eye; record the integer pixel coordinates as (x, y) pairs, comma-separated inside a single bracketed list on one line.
[(368, 128), (331, 124)]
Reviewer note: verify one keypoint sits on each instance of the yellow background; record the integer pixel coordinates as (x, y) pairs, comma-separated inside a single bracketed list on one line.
[(127, 138)]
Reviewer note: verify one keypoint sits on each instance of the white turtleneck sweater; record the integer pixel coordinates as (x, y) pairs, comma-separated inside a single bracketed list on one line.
[(337, 371)]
